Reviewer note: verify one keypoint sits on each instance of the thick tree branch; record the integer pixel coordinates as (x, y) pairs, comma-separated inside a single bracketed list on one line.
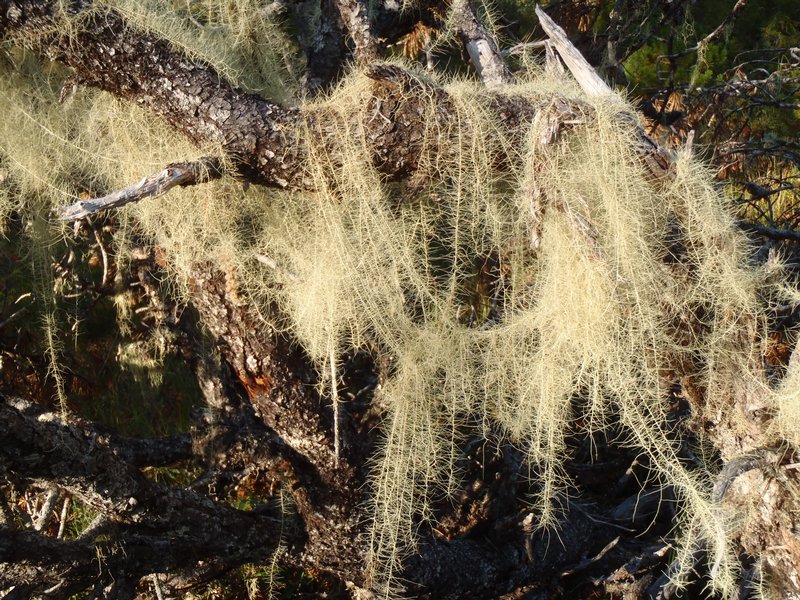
[(266, 143), (280, 384), (88, 465), (154, 452), (775, 233), (262, 139)]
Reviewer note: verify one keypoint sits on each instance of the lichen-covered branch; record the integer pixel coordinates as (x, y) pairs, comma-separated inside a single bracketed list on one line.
[(657, 159), (265, 143)]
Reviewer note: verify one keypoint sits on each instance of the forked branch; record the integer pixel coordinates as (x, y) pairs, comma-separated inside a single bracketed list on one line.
[(658, 160)]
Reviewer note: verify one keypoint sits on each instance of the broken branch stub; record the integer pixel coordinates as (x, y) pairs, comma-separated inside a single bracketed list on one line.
[(177, 174)]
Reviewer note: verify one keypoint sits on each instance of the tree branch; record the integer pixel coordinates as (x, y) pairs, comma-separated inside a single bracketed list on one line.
[(175, 174), (726, 22), (322, 41), (591, 83), (267, 144), (355, 16), (657, 159), (159, 528), (775, 233), (481, 47)]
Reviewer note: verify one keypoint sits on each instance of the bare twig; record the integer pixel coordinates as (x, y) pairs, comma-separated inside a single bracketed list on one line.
[(726, 22), (336, 416), (157, 586), (774, 233), (104, 254), (43, 520), (522, 47), (272, 264), (13, 316), (588, 562), (581, 70), (176, 174), (62, 524)]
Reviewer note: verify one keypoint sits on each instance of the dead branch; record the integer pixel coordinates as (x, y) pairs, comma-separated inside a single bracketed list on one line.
[(481, 47), (354, 14), (177, 174)]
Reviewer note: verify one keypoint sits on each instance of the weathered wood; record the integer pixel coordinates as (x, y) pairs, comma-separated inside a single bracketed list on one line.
[(323, 43), (175, 174), (481, 47), (591, 83), (658, 160)]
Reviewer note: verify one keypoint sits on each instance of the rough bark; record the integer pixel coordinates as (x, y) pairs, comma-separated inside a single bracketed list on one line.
[(324, 45), (481, 47), (156, 528), (355, 16), (279, 384), (265, 142)]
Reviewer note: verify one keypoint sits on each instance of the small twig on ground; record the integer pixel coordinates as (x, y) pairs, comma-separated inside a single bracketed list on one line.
[(42, 521), (584, 564), (335, 399), (62, 523)]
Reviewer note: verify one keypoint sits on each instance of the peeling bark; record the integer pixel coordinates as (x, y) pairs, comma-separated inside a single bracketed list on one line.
[(481, 47)]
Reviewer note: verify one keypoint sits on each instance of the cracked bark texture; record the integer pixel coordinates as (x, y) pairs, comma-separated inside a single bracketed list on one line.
[(265, 141)]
